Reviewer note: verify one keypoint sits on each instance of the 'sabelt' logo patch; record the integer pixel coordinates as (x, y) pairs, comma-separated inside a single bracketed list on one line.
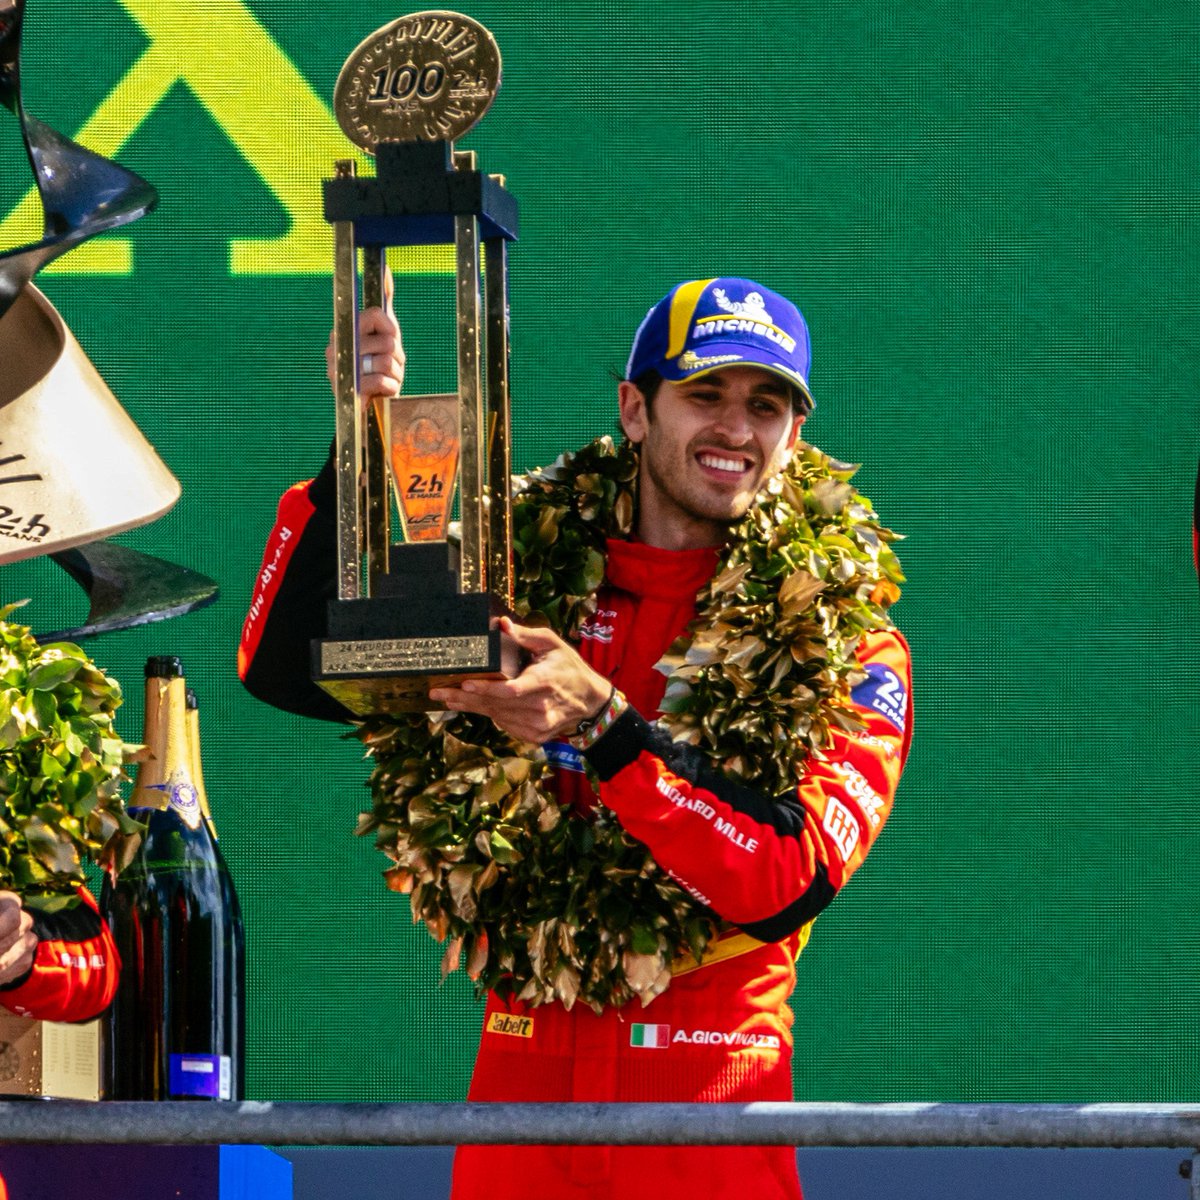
[(510, 1024)]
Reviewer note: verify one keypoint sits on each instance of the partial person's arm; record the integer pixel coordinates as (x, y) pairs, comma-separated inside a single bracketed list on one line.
[(56, 966), (297, 579), (298, 575)]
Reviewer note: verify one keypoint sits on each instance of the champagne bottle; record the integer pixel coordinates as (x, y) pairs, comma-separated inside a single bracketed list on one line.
[(175, 1029), (228, 983)]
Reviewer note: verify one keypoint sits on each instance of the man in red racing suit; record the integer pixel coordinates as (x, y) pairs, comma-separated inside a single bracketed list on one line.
[(709, 436)]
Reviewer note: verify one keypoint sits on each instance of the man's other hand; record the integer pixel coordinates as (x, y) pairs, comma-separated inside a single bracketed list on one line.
[(547, 700), (18, 942), (381, 350)]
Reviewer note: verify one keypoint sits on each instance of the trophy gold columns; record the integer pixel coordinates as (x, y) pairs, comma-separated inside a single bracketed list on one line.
[(413, 615)]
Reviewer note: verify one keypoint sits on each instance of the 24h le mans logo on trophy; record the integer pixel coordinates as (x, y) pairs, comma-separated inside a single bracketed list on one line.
[(413, 615)]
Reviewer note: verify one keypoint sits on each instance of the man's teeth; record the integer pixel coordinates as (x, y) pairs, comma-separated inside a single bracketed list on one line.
[(722, 464)]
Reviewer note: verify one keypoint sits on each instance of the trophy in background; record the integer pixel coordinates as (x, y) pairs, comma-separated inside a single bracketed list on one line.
[(76, 467), (417, 614)]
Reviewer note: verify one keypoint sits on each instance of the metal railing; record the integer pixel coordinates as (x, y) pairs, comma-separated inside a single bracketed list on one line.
[(1017, 1126), (761, 1123)]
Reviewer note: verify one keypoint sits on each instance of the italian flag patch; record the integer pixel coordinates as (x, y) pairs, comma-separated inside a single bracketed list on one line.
[(650, 1037)]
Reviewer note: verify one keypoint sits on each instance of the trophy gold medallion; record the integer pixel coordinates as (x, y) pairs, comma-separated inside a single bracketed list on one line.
[(423, 612), (424, 77)]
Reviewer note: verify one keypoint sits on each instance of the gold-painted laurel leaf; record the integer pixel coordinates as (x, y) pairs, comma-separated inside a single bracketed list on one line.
[(797, 591)]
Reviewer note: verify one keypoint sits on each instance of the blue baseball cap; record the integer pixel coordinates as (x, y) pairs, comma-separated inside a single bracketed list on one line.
[(707, 324)]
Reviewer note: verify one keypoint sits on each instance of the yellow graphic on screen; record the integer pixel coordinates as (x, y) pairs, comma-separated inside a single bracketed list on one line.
[(267, 109)]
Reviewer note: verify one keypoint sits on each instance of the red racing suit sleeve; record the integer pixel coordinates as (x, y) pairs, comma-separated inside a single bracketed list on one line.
[(767, 864), (75, 967), (296, 581)]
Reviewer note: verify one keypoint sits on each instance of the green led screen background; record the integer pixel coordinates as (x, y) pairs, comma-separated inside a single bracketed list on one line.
[(987, 214)]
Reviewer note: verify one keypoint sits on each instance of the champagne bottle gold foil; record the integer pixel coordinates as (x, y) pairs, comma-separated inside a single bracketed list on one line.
[(194, 759), (164, 779)]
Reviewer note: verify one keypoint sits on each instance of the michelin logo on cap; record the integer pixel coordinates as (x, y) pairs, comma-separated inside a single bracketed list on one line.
[(746, 316), (753, 306)]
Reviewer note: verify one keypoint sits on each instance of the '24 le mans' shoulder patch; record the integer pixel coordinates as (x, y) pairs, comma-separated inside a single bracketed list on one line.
[(884, 691)]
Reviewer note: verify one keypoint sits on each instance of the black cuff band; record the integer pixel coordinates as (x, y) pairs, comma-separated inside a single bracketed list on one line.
[(624, 740)]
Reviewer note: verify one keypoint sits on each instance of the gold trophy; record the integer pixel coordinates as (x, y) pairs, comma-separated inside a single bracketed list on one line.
[(420, 613)]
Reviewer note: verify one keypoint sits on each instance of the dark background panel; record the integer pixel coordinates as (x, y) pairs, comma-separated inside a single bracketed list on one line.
[(858, 1173)]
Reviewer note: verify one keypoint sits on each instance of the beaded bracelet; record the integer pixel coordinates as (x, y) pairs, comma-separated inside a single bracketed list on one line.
[(591, 730)]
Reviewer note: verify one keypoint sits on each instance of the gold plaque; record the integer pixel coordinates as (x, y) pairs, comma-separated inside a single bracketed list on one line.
[(46, 1058)]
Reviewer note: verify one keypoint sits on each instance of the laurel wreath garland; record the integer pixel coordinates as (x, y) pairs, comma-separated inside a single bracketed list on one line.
[(547, 904), (61, 766)]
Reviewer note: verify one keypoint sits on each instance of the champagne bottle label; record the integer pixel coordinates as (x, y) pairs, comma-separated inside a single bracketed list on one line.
[(208, 1075), (182, 797)]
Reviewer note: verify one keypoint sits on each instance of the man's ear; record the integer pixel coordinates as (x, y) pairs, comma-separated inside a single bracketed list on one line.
[(633, 410), (797, 424)]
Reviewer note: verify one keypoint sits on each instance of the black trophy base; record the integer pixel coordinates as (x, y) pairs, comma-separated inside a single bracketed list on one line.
[(384, 653)]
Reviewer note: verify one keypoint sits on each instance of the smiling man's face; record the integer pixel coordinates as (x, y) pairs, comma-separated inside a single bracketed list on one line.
[(707, 447)]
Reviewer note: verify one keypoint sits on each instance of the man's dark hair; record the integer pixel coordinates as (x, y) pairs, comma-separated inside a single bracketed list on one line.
[(648, 383)]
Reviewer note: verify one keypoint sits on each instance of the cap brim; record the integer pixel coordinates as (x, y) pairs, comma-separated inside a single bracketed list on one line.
[(720, 355)]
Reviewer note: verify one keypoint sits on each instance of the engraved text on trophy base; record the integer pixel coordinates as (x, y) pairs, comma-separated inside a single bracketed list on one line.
[(439, 654)]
